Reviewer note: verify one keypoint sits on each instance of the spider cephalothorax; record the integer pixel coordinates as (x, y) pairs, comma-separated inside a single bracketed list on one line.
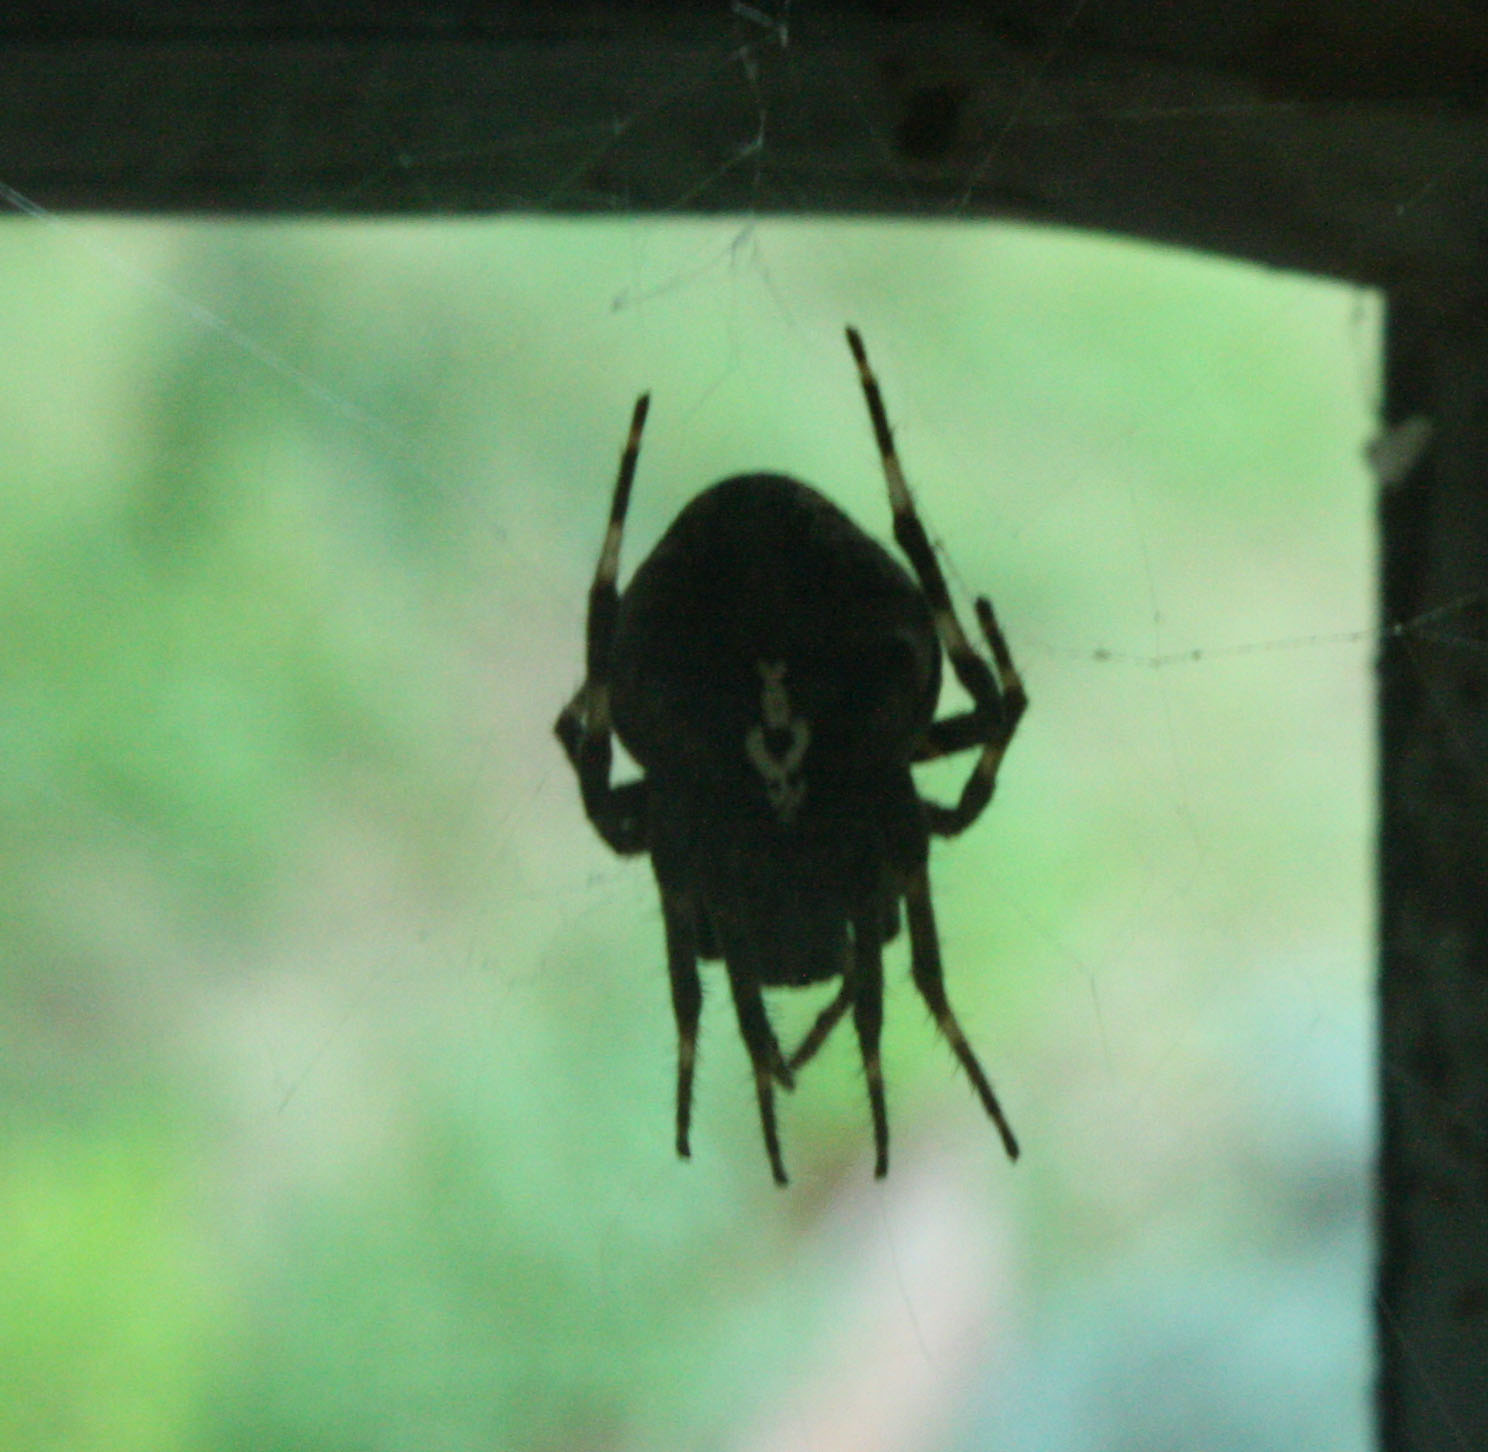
[(775, 671)]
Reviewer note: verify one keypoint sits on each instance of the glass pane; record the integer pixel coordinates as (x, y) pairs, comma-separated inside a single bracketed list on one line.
[(338, 1059)]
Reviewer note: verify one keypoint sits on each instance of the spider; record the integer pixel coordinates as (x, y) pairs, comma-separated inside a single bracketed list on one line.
[(775, 671)]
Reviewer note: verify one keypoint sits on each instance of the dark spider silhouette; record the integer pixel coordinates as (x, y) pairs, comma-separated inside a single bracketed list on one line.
[(775, 673)]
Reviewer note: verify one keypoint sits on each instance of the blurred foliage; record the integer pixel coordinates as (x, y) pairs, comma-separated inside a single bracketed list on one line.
[(335, 1055), (111, 1328)]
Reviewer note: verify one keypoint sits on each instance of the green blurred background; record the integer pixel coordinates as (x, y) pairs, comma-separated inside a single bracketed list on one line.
[(336, 1056)]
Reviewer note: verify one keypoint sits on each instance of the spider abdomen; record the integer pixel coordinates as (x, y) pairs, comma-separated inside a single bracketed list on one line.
[(765, 612)]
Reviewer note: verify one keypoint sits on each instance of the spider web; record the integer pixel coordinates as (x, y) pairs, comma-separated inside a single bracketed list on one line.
[(1158, 937)]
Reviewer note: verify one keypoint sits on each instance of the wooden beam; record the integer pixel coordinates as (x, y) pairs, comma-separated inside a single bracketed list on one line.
[(1345, 140), (1432, 1302)]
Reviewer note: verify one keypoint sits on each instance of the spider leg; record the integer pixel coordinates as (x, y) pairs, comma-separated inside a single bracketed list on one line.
[(971, 728), (867, 985), (829, 1017), (583, 726), (687, 1003), (764, 1055), (996, 731), (862, 991), (997, 700), (826, 1021), (926, 972)]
